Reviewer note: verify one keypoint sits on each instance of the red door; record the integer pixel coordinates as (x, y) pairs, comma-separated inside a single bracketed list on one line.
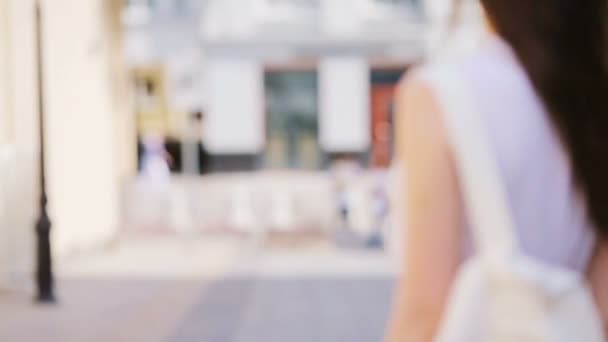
[(382, 128), (383, 85)]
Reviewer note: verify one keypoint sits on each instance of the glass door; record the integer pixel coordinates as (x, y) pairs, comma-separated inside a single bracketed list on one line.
[(292, 120)]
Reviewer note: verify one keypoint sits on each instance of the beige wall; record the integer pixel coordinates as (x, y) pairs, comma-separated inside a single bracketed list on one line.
[(84, 163), (5, 126), (18, 141), (90, 131), (125, 126)]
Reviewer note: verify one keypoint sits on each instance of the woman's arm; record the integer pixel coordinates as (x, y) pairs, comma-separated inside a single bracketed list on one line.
[(433, 232), (598, 277)]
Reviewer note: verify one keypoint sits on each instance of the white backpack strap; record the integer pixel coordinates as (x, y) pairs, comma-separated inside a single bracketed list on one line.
[(484, 194)]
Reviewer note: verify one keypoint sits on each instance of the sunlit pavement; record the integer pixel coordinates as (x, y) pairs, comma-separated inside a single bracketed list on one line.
[(209, 289)]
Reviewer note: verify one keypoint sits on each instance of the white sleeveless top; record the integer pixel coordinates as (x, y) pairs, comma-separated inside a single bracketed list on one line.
[(548, 211)]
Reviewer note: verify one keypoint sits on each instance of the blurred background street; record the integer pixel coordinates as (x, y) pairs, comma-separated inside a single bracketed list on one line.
[(204, 170)]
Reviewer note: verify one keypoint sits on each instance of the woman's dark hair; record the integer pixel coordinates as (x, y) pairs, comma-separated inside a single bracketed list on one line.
[(562, 46)]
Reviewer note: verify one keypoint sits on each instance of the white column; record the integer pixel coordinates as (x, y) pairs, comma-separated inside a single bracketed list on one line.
[(5, 122), (344, 98), (5, 158), (234, 122), (124, 112), (19, 114), (82, 168)]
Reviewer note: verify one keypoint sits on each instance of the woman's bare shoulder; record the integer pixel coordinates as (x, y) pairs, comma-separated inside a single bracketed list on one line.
[(419, 113)]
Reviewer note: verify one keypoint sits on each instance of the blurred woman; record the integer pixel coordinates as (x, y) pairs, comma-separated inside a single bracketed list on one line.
[(540, 80)]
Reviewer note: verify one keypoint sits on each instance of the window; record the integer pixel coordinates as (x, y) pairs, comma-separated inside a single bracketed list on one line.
[(292, 120)]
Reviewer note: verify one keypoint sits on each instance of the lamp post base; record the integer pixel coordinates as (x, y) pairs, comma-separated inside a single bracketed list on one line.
[(44, 270), (45, 299)]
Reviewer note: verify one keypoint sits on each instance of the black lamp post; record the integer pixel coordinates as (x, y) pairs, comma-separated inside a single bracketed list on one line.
[(44, 271)]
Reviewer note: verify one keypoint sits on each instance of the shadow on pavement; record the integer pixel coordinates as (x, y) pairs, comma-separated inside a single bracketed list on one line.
[(289, 309)]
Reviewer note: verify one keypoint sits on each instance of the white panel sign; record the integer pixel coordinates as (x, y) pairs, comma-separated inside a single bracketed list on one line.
[(234, 123), (184, 70), (344, 98)]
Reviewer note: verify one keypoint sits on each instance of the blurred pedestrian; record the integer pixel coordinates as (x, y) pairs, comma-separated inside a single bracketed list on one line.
[(155, 160), (191, 144), (380, 208), (535, 91), (345, 171)]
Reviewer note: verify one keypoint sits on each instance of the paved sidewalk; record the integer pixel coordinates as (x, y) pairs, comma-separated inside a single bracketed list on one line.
[(167, 289), (324, 309), (100, 310), (322, 295), (135, 291)]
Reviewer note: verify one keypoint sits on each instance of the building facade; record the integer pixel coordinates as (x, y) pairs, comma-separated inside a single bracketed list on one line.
[(282, 84), (339, 44)]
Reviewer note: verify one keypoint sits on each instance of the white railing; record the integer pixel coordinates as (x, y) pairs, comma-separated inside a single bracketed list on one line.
[(255, 203), (242, 202)]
